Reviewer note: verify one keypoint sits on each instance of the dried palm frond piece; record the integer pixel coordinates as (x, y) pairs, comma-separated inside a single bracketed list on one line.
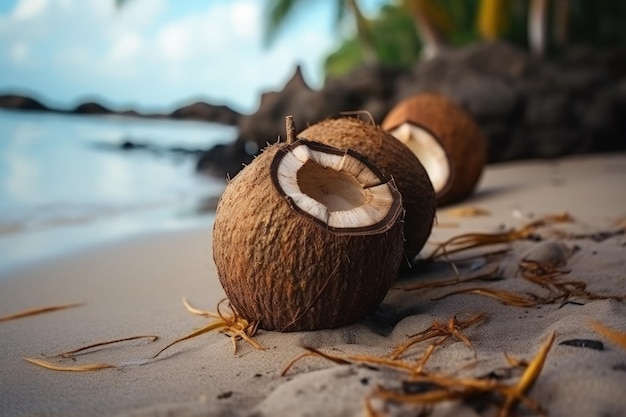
[(392, 363), (619, 338), (230, 323), (74, 368), (71, 353), (488, 273), (547, 276), (621, 223), (88, 367), (452, 329), (475, 240), (467, 211), (505, 297), (528, 378), (445, 388), (37, 310)]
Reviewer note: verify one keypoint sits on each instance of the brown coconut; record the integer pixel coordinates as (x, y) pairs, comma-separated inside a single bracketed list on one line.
[(396, 161), (446, 140), (308, 237)]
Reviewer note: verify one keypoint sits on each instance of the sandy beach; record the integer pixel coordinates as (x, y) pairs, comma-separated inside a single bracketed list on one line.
[(135, 287)]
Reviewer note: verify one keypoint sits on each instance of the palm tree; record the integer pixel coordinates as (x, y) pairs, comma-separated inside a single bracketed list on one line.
[(280, 10)]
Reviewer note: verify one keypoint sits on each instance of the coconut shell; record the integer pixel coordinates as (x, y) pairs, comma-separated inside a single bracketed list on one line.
[(455, 130), (396, 161), (283, 270)]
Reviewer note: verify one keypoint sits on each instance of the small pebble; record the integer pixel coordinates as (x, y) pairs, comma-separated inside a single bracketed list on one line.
[(584, 343), (551, 252)]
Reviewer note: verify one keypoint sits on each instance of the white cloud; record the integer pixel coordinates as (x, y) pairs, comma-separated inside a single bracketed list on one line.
[(173, 42), (152, 51), (125, 47), (219, 29), (28, 9), (247, 18)]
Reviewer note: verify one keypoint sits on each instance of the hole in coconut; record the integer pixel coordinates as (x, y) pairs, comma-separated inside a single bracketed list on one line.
[(428, 150), (334, 189)]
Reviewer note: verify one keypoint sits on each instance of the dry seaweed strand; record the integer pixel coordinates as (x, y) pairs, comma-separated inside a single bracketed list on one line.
[(475, 240), (547, 276), (448, 388), (405, 366), (505, 297), (412, 368), (231, 324), (89, 367), (467, 211), (71, 353), (443, 331), (488, 273), (445, 388), (75, 368), (527, 379), (619, 338), (38, 310)]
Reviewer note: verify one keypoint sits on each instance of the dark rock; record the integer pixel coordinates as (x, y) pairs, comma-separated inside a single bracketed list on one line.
[(584, 343), (497, 59), (196, 111), (552, 142), (527, 107), (368, 89), (91, 108), (481, 95), (267, 124), (498, 133), (129, 145), (130, 113), (224, 160), (13, 101), (207, 113), (547, 110), (581, 80)]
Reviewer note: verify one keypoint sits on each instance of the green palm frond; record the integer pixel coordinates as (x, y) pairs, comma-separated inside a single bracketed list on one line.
[(279, 11)]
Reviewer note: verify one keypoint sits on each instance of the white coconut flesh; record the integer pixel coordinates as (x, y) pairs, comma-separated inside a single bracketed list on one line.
[(337, 189), (428, 150)]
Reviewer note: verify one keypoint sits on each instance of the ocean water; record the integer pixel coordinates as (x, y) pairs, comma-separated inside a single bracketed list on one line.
[(66, 185)]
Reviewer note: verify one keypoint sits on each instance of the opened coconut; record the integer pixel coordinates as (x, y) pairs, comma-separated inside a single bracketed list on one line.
[(396, 161), (308, 237), (446, 140)]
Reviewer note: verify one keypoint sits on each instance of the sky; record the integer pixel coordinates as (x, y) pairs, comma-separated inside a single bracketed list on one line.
[(159, 54)]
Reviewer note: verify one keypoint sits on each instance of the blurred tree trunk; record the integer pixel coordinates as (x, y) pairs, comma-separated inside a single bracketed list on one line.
[(280, 10), (364, 32), (493, 16), (537, 26), (561, 22), (432, 23)]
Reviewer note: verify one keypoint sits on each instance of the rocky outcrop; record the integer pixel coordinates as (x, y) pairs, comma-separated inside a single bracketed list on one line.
[(17, 102), (91, 108), (527, 107), (199, 111), (207, 112)]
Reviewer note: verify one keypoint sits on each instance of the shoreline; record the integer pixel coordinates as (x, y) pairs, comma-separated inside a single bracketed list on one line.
[(135, 286), (199, 111)]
